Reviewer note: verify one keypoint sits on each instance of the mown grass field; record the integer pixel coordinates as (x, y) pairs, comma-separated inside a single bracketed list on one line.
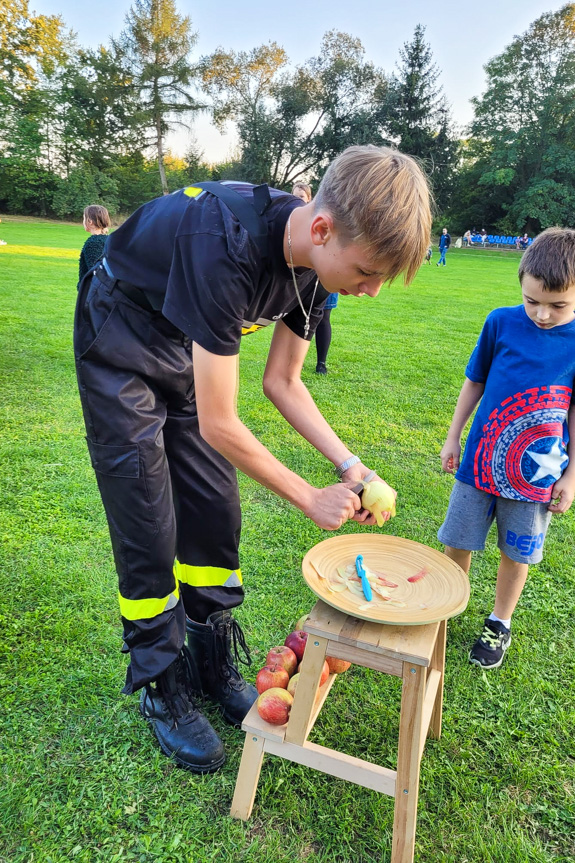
[(81, 776)]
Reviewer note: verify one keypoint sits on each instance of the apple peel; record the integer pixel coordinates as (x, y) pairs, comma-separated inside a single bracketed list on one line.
[(418, 576)]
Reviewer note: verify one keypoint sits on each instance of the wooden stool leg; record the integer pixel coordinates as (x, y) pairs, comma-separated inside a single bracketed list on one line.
[(408, 762), (304, 700), (438, 663), (248, 777)]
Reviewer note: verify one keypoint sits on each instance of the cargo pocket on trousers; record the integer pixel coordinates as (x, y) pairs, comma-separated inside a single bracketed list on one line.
[(124, 492)]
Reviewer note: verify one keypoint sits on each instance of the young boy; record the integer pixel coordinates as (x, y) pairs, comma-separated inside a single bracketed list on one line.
[(516, 467), (157, 336)]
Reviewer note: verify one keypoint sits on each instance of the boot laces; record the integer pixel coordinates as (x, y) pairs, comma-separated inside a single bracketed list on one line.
[(179, 700), (226, 647)]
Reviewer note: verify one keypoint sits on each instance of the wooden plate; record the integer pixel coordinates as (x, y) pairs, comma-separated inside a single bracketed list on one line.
[(442, 593)]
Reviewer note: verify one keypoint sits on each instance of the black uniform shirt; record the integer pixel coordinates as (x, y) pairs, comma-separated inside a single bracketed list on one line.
[(190, 250)]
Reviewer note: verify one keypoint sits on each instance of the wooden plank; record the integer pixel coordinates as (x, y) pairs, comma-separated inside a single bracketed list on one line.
[(402, 643), (408, 763), (321, 696), (300, 719), (377, 661), (343, 766), (438, 663), (324, 620), (254, 724), (431, 688), (248, 777)]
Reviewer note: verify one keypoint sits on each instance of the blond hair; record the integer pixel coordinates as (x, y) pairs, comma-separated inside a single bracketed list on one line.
[(551, 259), (98, 216), (305, 187), (379, 198)]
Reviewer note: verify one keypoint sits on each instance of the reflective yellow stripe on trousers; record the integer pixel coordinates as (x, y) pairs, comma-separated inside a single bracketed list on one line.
[(140, 609), (207, 576)]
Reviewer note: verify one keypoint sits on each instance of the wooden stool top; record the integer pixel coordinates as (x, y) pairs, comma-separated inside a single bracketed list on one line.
[(352, 636)]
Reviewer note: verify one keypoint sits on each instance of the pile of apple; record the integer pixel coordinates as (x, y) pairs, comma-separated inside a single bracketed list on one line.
[(277, 681)]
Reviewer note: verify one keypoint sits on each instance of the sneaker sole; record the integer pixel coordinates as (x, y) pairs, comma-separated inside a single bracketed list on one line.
[(173, 756), (494, 665)]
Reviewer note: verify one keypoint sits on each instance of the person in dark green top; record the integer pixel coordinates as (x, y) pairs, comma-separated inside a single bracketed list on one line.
[(97, 222)]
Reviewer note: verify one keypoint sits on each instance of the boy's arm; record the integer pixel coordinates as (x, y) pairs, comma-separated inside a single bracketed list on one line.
[(216, 379), (284, 387), (469, 398), (563, 491)]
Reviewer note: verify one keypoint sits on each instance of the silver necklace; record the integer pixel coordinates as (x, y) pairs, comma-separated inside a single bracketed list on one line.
[(307, 314)]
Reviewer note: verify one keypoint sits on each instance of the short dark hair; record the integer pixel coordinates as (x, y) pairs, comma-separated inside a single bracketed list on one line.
[(551, 259)]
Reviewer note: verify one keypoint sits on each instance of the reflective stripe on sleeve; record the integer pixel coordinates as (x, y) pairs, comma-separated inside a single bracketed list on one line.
[(207, 576), (140, 609)]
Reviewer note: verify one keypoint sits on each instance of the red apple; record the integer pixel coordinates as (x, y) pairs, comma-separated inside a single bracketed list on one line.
[(296, 641), (292, 685), (283, 656), (337, 666), (270, 676), (324, 674), (274, 705)]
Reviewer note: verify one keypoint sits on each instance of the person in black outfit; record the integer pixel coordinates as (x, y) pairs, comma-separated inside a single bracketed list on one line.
[(97, 222), (157, 335)]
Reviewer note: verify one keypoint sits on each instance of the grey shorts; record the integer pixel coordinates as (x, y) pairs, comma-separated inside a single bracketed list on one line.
[(521, 524)]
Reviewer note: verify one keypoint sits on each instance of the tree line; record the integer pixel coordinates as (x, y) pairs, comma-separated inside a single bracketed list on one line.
[(81, 125)]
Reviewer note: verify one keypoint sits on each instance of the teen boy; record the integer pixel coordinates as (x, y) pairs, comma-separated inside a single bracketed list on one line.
[(516, 467), (158, 331)]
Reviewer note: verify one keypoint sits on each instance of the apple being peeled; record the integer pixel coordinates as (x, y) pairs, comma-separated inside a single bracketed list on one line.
[(283, 656), (337, 666), (270, 676), (296, 640), (274, 705)]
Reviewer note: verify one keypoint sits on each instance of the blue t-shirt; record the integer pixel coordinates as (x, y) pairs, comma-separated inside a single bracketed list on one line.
[(517, 445)]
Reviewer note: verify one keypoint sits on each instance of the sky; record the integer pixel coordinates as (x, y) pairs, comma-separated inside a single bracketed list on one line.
[(462, 36)]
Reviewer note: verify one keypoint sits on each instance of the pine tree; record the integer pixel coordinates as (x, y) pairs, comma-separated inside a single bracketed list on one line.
[(415, 115), (157, 43)]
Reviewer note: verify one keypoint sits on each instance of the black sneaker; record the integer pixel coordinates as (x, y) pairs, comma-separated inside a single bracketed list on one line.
[(321, 369), (489, 649)]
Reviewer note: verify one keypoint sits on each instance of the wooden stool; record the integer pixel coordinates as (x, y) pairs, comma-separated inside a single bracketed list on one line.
[(414, 653)]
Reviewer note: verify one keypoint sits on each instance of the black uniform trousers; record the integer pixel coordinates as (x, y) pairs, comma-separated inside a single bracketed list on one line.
[(171, 500)]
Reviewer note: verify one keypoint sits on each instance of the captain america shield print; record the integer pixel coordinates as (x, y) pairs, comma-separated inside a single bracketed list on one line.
[(523, 447)]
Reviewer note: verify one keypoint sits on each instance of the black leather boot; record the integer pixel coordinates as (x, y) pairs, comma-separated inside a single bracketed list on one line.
[(215, 674), (182, 731)]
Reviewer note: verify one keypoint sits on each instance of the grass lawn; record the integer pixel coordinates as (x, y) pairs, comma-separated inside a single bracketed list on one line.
[(81, 776)]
